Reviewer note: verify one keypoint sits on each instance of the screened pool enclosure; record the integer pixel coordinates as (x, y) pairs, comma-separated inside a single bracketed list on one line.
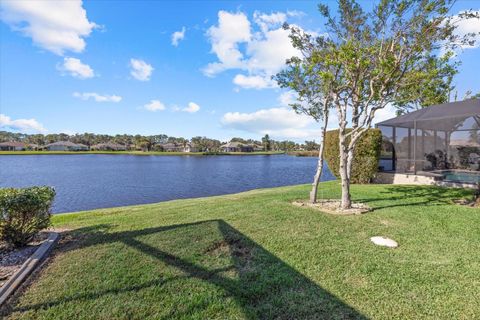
[(439, 138)]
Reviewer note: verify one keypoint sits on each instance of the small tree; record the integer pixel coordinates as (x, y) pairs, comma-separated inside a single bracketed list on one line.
[(266, 143), (304, 76), (370, 60)]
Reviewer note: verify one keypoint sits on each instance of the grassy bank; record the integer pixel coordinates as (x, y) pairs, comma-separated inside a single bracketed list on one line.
[(139, 153), (254, 255), (313, 153)]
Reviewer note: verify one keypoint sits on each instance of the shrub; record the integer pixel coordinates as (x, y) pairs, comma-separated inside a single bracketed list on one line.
[(23, 213), (365, 161)]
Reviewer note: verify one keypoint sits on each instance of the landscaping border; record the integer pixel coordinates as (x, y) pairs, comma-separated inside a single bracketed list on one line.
[(27, 267)]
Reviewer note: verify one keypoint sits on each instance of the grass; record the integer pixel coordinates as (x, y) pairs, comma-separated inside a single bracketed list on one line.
[(313, 153), (139, 153), (253, 255)]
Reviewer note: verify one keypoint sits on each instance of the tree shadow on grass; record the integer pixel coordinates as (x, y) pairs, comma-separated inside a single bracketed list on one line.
[(404, 196), (263, 286)]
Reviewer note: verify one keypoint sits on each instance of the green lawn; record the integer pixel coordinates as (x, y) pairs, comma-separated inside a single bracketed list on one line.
[(136, 153), (254, 255)]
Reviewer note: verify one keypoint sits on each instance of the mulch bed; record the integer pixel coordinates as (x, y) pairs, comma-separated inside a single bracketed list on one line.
[(333, 207), (11, 259), (467, 203)]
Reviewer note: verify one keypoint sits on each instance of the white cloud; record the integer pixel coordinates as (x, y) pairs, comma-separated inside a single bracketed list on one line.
[(232, 29), (140, 69), (178, 36), (97, 97), (154, 105), (21, 125), (56, 26), (192, 108), (388, 112), (288, 97), (267, 21), (253, 82), (277, 122), (259, 49), (466, 26), (269, 51), (295, 13), (76, 68)]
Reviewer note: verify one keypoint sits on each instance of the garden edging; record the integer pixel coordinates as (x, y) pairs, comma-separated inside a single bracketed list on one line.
[(27, 267)]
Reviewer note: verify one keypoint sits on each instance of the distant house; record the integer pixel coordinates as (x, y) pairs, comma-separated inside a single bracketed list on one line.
[(257, 148), (172, 147), (175, 147), (190, 147), (66, 146), (236, 147), (109, 146), (13, 146), (131, 146), (33, 146)]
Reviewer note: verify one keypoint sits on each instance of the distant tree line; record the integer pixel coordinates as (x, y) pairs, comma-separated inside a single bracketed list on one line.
[(152, 142)]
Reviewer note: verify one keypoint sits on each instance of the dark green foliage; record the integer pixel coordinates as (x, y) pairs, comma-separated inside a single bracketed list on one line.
[(23, 213), (367, 155), (266, 142), (311, 146), (139, 142)]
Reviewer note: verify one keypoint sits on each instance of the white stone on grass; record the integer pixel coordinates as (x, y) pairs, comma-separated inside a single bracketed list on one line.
[(382, 241)]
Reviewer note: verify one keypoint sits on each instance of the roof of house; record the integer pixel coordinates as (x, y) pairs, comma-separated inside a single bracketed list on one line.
[(108, 144), (66, 144), (171, 145), (232, 145), (443, 117), (14, 144)]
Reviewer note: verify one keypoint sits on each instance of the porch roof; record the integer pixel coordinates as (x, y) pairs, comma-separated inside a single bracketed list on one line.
[(441, 117)]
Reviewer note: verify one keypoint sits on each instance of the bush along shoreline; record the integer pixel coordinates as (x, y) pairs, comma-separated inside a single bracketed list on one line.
[(24, 212)]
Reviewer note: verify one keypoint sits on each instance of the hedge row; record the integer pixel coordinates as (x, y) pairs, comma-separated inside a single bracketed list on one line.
[(367, 155)]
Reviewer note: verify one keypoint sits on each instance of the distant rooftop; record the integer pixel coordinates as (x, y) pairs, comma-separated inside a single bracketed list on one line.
[(65, 143), (13, 144)]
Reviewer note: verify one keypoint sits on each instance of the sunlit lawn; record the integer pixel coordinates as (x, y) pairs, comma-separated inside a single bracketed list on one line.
[(254, 255)]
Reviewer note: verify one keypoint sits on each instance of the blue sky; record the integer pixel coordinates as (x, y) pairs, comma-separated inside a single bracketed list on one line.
[(116, 67)]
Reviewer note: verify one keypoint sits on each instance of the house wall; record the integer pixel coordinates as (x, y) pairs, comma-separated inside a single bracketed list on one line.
[(10, 148)]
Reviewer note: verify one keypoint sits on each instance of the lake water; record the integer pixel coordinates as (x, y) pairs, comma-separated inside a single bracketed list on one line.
[(85, 182)]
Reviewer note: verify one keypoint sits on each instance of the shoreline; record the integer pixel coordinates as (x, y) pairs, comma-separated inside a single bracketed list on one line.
[(140, 153)]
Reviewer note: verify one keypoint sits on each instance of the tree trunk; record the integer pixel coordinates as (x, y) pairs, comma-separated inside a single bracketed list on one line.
[(349, 164), (318, 174), (344, 172)]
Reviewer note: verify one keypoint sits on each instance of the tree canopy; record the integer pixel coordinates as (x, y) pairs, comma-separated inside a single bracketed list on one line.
[(398, 53)]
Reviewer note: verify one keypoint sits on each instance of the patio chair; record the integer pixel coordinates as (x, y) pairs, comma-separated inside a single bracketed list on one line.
[(474, 161)]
